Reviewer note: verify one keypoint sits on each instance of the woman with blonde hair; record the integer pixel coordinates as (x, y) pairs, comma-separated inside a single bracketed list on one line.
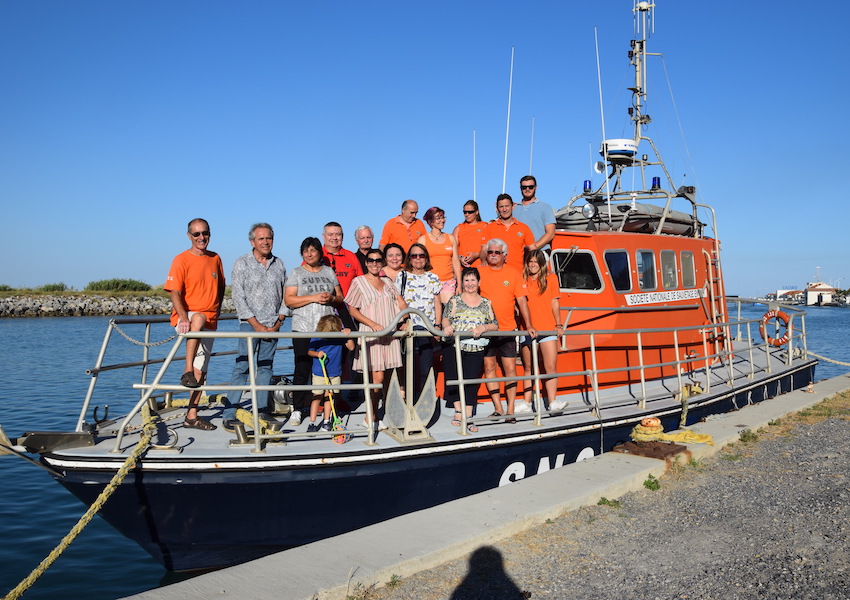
[(545, 312)]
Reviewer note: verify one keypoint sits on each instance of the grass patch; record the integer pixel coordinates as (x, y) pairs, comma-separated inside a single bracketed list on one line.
[(117, 285), (394, 582), (748, 436), (603, 501), (652, 483)]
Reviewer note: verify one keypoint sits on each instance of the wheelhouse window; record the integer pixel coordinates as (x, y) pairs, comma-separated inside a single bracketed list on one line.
[(576, 270), (669, 277), (689, 278), (646, 270), (618, 268)]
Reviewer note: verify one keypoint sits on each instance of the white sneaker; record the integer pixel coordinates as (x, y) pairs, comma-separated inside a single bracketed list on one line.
[(381, 426), (295, 418), (522, 407), (557, 405)]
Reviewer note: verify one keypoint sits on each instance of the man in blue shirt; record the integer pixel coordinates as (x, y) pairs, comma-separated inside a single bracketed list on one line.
[(539, 216), (257, 285)]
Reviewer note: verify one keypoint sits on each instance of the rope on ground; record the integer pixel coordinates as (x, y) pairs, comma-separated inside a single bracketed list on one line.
[(835, 362), (129, 464), (643, 433), (139, 342)]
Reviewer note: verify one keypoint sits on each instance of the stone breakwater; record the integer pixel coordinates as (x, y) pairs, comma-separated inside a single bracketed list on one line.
[(79, 306)]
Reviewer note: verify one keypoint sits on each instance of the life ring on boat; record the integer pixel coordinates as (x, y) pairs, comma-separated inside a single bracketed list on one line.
[(650, 422), (781, 317)]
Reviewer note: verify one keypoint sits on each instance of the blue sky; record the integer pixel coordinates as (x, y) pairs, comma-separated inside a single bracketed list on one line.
[(120, 121)]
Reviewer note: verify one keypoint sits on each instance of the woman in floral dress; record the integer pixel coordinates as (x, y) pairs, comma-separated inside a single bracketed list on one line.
[(373, 301)]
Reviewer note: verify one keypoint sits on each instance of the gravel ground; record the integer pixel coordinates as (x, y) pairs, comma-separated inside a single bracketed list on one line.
[(768, 518)]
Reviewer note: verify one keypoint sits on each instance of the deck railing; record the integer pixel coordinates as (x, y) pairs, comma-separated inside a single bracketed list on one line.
[(714, 355)]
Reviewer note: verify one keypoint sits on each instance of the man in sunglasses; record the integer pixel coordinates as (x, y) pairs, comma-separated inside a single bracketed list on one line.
[(539, 216), (196, 285), (503, 285)]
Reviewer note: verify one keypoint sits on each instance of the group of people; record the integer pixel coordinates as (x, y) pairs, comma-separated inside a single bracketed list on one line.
[(481, 277)]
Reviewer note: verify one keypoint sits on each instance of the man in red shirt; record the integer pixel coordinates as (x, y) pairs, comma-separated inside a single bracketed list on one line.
[(196, 285), (404, 229), (344, 262), (515, 234), (504, 287)]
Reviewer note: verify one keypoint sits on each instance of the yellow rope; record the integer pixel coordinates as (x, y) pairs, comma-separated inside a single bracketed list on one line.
[(129, 464), (686, 436)]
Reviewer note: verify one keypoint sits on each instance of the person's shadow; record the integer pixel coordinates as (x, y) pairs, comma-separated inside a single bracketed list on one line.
[(486, 579)]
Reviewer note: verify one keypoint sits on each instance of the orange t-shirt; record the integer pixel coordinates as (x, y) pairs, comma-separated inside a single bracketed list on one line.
[(502, 287), (469, 238), (517, 236), (199, 279), (441, 257), (540, 305), (396, 231)]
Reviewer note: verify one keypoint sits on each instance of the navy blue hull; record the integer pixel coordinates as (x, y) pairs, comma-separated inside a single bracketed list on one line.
[(200, 519)]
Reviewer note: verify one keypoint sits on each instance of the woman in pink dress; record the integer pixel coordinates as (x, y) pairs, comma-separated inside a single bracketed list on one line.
[(373, 301)]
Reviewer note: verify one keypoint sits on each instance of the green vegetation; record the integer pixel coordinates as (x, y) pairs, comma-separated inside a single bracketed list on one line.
[(603, 501), (748, 436), (52, 287), (394, 582), (6, 288), (652, 483), (117, 285)]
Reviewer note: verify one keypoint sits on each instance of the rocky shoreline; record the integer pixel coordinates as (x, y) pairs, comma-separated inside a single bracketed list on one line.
[(93, 305)]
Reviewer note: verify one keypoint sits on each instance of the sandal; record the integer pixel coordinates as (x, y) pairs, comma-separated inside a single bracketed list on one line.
[(198, 423), (471, 427), (456, 422), (188, 380), (496, 414), (510, 420)]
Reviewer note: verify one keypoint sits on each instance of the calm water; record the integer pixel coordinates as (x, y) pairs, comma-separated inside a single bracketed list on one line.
[(42, 383)]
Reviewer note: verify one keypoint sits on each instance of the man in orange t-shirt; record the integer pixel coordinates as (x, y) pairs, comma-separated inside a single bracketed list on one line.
[(196, 285), (404, 229), (506, 227), (504, 287)]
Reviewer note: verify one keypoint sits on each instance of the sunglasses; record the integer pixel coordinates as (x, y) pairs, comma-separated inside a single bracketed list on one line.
[(197, 233), (469, 212), (494, 251), (417, 256), (374, 260), (527, 187)]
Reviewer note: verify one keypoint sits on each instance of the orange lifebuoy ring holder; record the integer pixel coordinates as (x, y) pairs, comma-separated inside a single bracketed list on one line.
[(780, 317)]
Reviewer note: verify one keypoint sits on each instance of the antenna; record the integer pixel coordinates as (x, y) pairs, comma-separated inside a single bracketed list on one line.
[(508, 125), (531, 152), (602, 116), (474, 179)]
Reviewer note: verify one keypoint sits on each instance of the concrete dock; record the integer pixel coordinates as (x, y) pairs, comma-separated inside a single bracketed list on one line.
[(406, 545)]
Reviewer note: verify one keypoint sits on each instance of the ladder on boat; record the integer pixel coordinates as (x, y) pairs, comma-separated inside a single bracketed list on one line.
[(716, 299)]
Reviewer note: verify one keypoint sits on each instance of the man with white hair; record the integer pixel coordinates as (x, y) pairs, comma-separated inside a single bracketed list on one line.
[(503, 285), (364, 238)]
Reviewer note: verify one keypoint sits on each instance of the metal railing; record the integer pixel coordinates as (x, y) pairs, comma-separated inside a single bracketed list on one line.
[(710, 361)]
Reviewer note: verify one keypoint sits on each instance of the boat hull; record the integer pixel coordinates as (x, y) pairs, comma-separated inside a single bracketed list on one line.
[(208, 514)]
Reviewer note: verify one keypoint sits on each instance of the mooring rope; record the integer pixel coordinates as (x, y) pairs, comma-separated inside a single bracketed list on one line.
[(139, 342), (129, 464), (835, 362)]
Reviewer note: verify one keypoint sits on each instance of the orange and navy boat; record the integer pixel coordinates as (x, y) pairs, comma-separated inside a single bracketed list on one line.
[(649, 333)]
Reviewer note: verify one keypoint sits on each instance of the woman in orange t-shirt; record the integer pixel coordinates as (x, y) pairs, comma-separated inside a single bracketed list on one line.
[(468, 234), (544, 309), (442, 249)]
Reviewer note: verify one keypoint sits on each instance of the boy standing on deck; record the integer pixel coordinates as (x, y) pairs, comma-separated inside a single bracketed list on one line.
[(329, 350)]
